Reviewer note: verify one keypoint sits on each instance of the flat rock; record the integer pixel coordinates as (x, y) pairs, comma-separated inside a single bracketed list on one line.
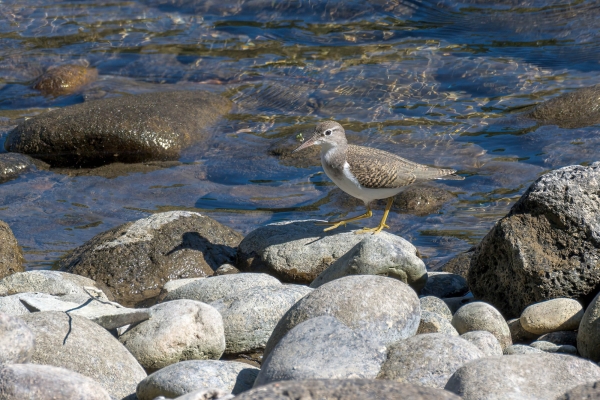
[(383, 255), (445, 284), (156, 249), (554, 348), (521, 349), (131, 129), (45, 382), (178, 330), (436, 305), (65, 79), (249, 316), (12, 165), (16, 341), (587, 391), (347, 389), (588, 336), (384, 309), (481, 316), (575, 109), (551, 316), (548, 246), (435, 323), (427, 360), (11, 256), (76, 343), (528, 376), (322, 348), (189, 376), (484, 341)]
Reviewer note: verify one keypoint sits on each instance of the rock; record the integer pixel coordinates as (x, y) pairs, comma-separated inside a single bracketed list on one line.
[(484, 341), (178, 330), (249, 316), (427, 360), (347, 389), (387, 255), (422, 199), (117, 169), (214, 288), (322, 348), (588, 336), (12, 165), (587, 391), (435, 305), (482, 317), (455, 303), (131, 129), (65, 79), (521, 349), (156, 249), (11, 256), (226, 269), (45, 382), (175, 284), (204, 394), (554, 348), (189, 376), (445, 284), (71, 341), (560, 337), (547, 246), (576, 109), (381, 308), (526, 376), (435, 323), (16, 341), (459, 264), (11, 305), (551, 316), (518, 333)]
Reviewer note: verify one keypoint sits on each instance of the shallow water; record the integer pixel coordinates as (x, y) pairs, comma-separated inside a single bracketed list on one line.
[(438, 82)]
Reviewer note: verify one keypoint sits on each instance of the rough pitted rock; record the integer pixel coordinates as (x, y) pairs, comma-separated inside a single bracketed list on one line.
[(82, 346), (548, 246), (521, 349), (480, 316), (65, 79), (445, 284), (188, 376), (387, 255), (16, 341), (527, 376), (384, 309), (137, 258), (427, 360), (570, 110), (130, 129), (587, 391), (177, 330), (484, 341), (459, 264), (518, 334), (588, 335), (552, 316), (322, 348), (436, 305), (11, 256), (549, 347), (347, 389), (432, 322), (45, 382), (12, 165)]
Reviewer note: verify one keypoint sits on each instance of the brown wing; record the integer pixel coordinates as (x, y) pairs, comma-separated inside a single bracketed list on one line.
[(374, 168)]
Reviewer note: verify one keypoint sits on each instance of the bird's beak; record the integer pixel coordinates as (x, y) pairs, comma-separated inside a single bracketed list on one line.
[(310, 142)]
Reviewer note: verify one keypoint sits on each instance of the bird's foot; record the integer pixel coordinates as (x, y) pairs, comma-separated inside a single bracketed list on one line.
[(375, 230), (333, 225)]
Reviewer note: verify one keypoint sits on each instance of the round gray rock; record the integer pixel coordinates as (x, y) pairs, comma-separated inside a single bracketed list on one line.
[(518, 333), (521, 349), (527, 376), (383, 309), (552, 315), (322, 348), (178, 330), (484, 341), (16, 341), (481, 316), (435, 305), (588, 336), (587, 391), (188, 376), (76, 343), (427, 360), (11, 256), (435, 323), (554, 348), (445, 284)]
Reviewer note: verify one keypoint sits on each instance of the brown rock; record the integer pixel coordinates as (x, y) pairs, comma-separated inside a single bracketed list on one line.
[(65, 79), (11, 256), (570, 110)]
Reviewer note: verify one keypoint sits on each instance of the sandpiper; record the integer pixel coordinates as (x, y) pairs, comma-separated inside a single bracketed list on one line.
[(367, 173)]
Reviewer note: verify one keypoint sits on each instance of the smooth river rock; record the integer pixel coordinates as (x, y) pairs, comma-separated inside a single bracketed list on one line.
[(11, 256), (435, 323), (588, 336), (484, 341), (17, 341), (521, 349), (550, 347), (551, 316), (481, 316), (587, 391), (435, 305)]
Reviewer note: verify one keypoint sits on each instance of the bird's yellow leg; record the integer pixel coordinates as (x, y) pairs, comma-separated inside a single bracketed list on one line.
[(337, 224), (382, 224)]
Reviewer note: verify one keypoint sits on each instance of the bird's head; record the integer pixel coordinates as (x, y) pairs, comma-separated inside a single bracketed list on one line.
[(329, 133)]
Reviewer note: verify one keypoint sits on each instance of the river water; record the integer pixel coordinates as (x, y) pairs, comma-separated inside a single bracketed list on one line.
[(438, 82)]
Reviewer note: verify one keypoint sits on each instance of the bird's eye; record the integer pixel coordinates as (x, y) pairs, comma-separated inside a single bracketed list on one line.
[(328, 132)]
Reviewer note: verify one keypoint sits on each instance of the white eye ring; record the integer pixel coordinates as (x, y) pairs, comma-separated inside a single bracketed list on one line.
[(328, 132)]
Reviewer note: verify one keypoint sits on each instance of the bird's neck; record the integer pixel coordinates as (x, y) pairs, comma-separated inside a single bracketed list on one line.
[(334, 155)]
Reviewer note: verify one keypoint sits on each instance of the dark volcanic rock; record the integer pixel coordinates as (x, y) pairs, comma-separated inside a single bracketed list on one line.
[(11, 256), (12, 165), (459, 264), (137, 258), (65, 79), (571, 110), (146, 127), (548, 246)]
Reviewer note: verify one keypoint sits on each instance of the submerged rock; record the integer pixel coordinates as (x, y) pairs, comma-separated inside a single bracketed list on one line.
[(65, 79), (12, 165), (11, 256), (570, 110)]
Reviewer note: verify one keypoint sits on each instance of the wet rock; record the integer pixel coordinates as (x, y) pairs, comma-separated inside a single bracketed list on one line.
[(12, 165), (445, 284), (226, 269), (384, 309), (482, 317), (570, 110), (381, 255), (16, 341), (588, 336), (455, 303), (45, 382), (527, 376), (73, 342), (422, 199), (347, 389), (117, 169), (435, 323), (282, 149), (65, 79), (178, 330), (189, 376), (427, 360), (518, 333), (249, 316), (484, 341), (459, 264), (435, 305), (322, 348), (587, 391), (11, 256), (560, 337), (156, 249), (521, 349), (554, 348), (546, 247), (130, 129), (551, 316)]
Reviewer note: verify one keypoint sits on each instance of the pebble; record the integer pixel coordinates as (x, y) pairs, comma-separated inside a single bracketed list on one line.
[(481, 316)]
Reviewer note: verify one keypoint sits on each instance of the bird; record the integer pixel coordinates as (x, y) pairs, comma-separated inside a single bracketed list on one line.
[(367, 173)]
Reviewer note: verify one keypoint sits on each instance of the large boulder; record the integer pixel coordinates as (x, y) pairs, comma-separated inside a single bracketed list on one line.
[(138, 128), (16, 341), (137, 258), (11, 256), (548, 246), (576, 109)]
